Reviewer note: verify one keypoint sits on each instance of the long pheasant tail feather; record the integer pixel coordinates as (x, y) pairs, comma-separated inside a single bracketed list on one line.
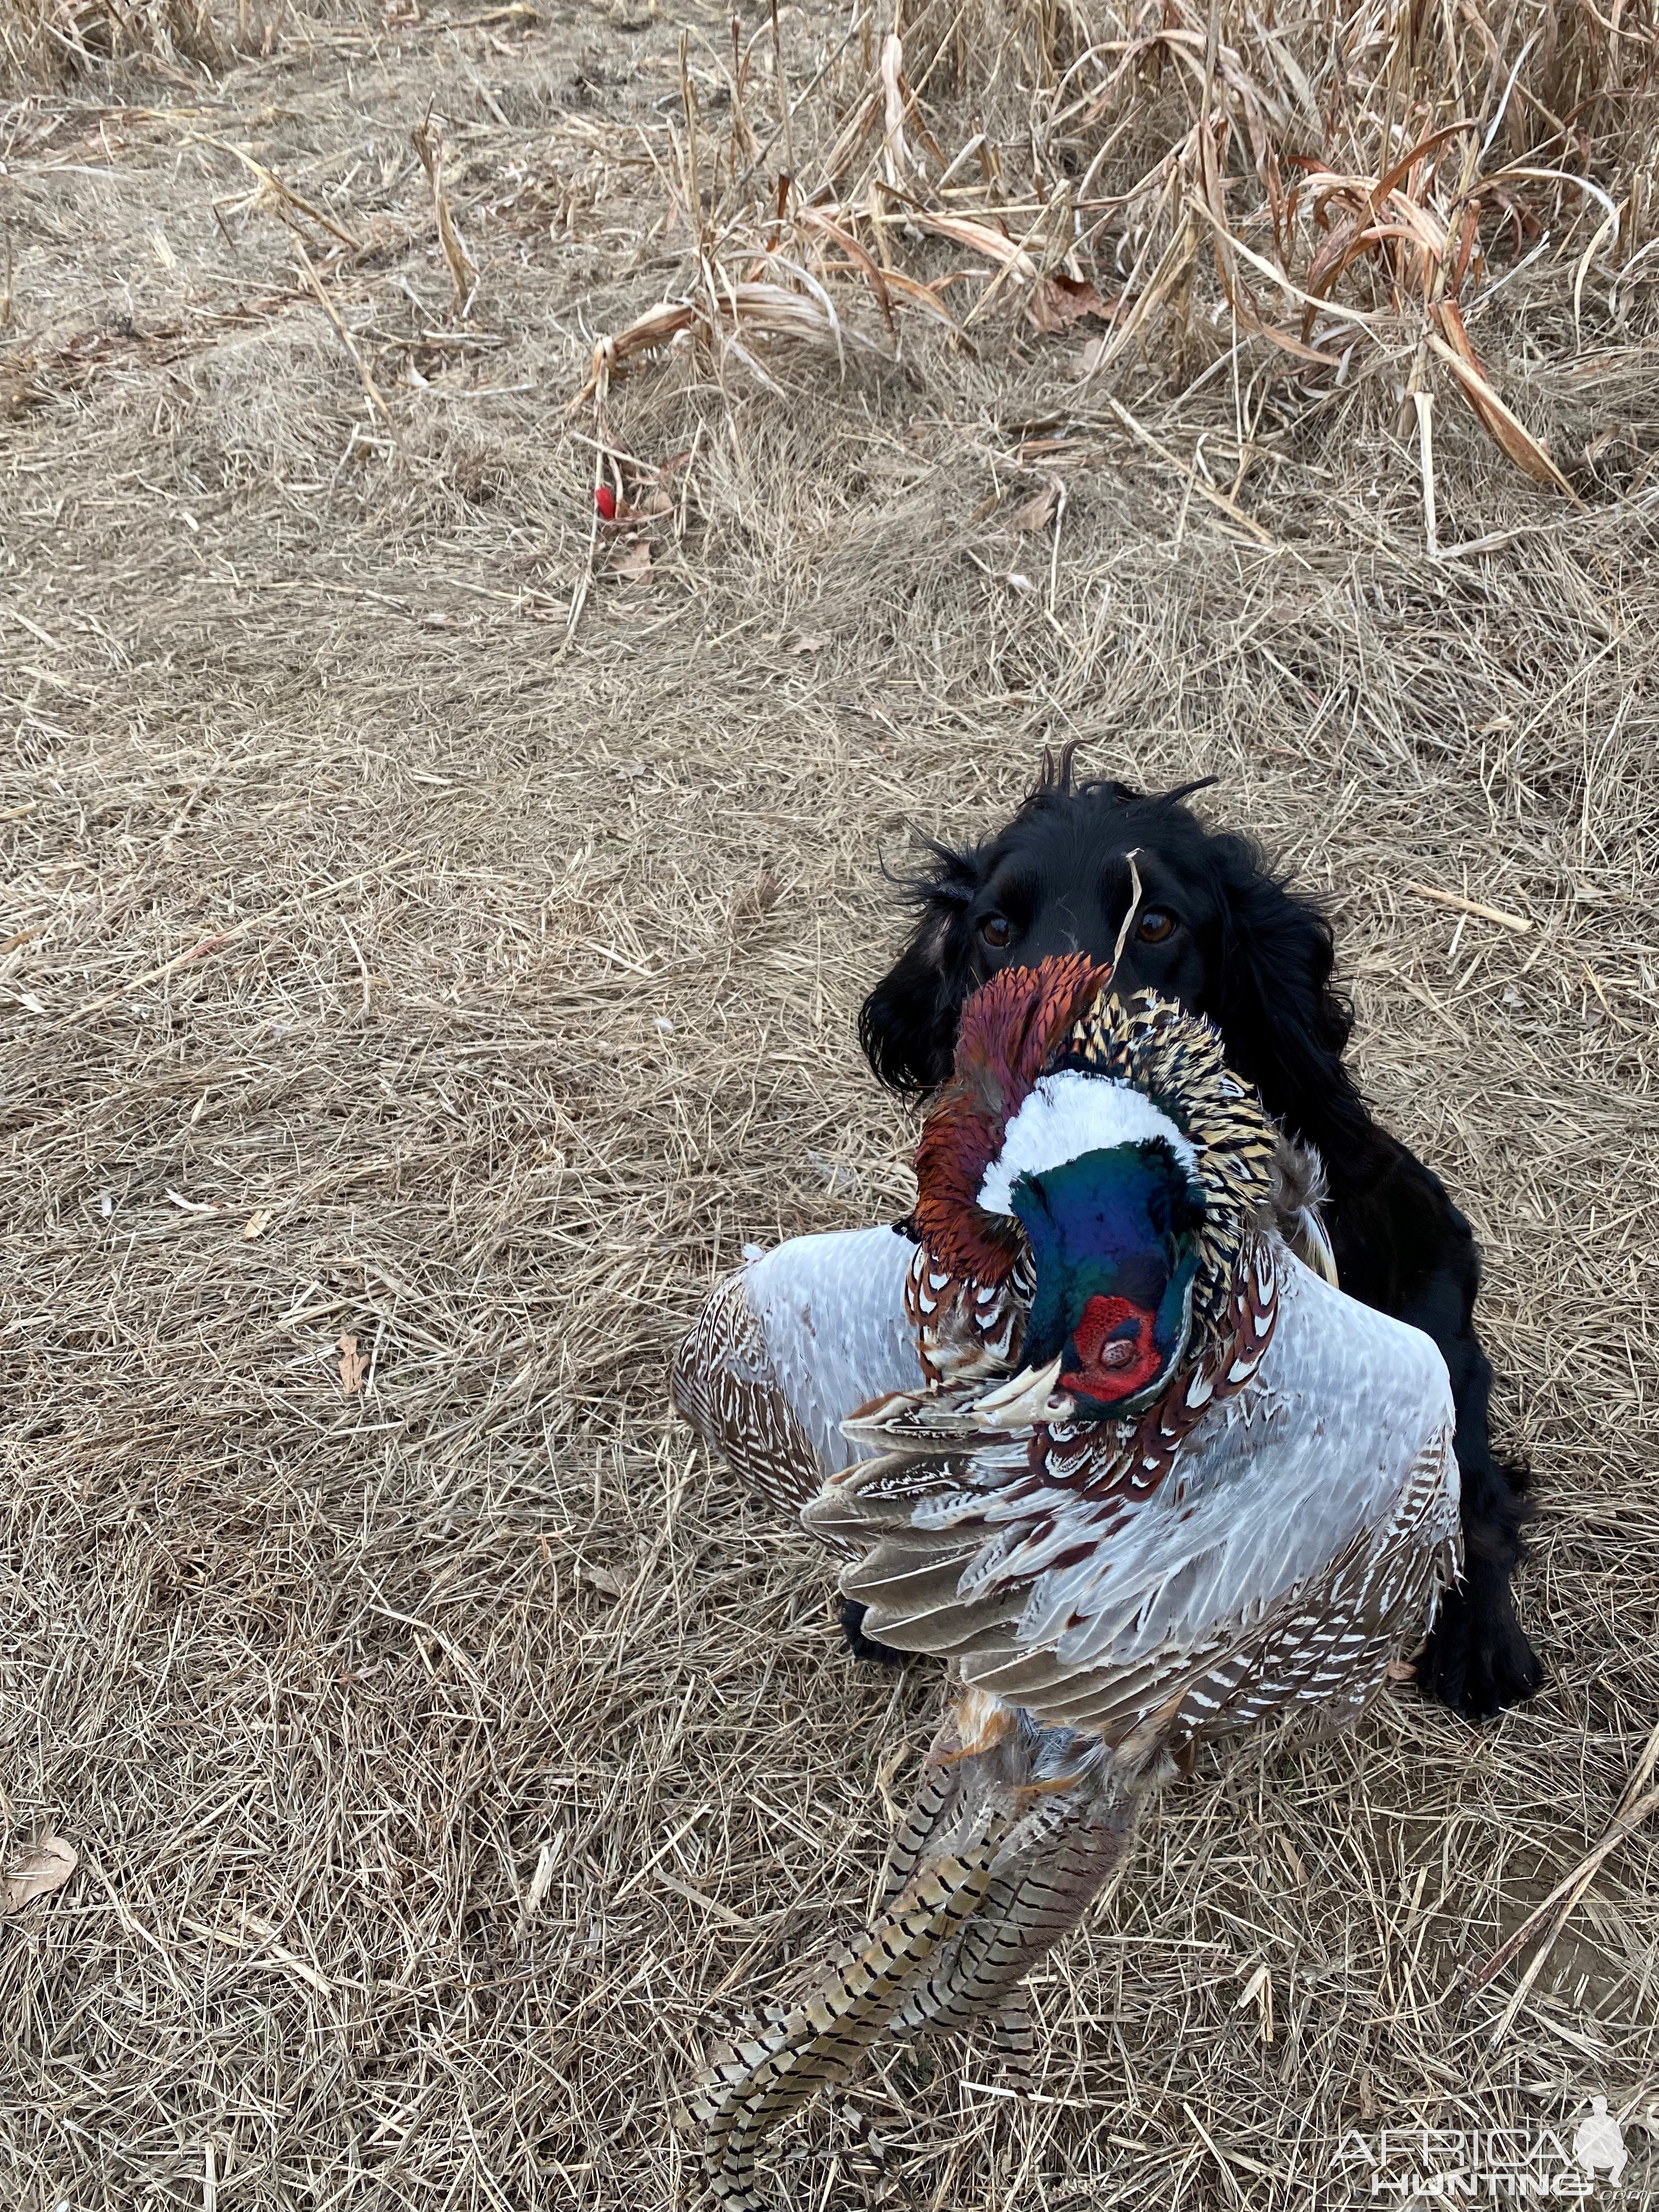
[(1053, 1873), (937, 1796), (757, 2082)]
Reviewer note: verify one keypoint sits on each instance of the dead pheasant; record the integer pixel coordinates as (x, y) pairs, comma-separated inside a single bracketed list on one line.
[(1152, 1480), (787, 1346)]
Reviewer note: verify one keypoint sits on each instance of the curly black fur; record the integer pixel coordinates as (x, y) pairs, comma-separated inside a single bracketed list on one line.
[(1217, 930)]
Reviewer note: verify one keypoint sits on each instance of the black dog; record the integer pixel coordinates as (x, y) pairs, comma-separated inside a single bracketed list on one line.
[(1218, 932)]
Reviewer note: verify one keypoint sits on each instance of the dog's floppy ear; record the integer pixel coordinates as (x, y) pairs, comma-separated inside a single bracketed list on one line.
[(908, 1025), (1286, 1023)]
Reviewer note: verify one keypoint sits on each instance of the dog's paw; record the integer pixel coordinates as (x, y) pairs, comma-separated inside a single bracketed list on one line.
[(860, 1645), (1477, 1659)]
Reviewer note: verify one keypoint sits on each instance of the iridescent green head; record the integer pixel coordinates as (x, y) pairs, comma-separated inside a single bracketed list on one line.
[(1106, 1189)]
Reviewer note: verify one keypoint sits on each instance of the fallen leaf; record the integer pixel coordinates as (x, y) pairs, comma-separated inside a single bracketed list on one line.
[(1057, 302), (257, 1223), (1505, 429), (1038, 512), (980, 238), (37, 1872), (602, 1579), (646, 509), (353, 1365), (635, 564)]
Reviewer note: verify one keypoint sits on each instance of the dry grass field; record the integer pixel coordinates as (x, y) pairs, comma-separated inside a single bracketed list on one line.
[(433, 922)]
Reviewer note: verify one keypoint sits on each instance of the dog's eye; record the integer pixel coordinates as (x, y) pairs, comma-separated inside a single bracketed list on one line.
[(1155, 924), (996, 931)]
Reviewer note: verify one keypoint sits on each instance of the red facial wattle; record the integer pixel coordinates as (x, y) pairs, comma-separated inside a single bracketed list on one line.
[(1116, 1354)]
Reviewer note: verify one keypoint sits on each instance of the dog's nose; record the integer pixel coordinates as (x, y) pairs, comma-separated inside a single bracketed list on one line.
[(1053, 938)]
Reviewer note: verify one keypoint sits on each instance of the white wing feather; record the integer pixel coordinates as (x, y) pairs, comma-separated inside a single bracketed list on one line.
[(831, 1309), (1271, 1488), (784, 1349), (1068, 1602)]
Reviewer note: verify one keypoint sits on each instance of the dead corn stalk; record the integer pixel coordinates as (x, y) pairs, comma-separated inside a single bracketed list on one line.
[(462, 269)]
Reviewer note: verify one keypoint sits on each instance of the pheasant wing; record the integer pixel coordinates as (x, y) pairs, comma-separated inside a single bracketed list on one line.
[(785, 1348), (1281, 1545)]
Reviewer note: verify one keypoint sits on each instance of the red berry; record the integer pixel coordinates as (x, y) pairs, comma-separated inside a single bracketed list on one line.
[(605, 500)]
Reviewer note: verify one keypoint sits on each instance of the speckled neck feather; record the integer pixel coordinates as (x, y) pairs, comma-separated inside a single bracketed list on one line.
[(1174, 1059)]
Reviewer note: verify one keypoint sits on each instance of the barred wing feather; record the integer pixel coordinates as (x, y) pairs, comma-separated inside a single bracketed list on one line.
[(785, 1348), (1300, 1525)]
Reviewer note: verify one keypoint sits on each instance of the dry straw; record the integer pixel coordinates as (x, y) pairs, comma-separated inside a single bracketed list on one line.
[(435, 910), (1348, 181), (61, 41)]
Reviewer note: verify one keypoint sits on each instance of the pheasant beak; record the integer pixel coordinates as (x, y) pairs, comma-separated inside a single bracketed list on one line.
[(1024, 1399)]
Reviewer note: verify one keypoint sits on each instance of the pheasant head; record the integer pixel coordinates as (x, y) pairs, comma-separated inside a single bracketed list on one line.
[(1086, 1183), (1113, 1238)]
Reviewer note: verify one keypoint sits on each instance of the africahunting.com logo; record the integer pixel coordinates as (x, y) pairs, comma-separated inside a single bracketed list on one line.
[(1434, 2166)]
